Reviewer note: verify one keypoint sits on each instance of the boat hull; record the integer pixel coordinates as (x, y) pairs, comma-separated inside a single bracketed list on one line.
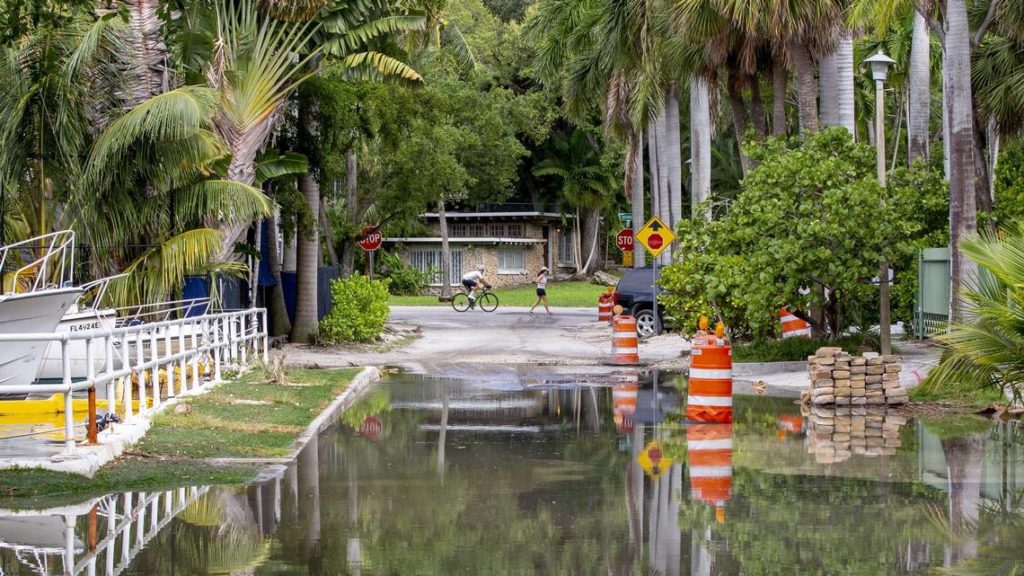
[(72, 323), (32, 312)]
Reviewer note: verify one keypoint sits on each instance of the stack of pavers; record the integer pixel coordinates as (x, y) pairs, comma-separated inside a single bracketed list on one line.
[(844, 380), (836, 433)]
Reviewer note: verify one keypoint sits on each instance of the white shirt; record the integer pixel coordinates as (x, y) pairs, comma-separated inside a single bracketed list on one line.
[(473, 276), (542, 281)]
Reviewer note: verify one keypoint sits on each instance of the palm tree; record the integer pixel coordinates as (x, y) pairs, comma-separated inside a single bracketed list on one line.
[(988, 350), (586, 185), (920, 93)]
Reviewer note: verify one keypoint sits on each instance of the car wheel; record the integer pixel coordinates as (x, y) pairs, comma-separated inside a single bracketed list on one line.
[(645, 327)]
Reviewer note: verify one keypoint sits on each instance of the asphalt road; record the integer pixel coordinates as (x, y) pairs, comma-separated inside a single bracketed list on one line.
[(446, 340)]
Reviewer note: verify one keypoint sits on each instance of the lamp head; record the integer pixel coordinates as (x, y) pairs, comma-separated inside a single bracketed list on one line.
[(879, 66)]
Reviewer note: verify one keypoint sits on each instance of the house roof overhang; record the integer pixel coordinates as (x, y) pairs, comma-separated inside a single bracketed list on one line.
[(437, 240)]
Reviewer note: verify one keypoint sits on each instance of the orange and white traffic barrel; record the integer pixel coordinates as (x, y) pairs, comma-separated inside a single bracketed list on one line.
[(709, 454), (625, 344), (792, 326), (709, 394), (624, 397), (604, 308)]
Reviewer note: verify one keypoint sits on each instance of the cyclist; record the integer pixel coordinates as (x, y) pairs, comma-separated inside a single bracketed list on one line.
[(473, 279)]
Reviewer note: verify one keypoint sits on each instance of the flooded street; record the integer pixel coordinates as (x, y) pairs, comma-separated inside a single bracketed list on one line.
[(431, 476)]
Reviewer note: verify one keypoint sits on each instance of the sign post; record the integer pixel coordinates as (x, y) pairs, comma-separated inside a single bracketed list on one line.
[(370, 241), (656, 237)]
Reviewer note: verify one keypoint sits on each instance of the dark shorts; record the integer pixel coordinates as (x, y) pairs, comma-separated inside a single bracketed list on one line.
[(469, 284), (541, 292)]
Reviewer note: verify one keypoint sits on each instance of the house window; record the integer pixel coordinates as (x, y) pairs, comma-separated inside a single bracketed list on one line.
[(429, 260), (566, 248), (515, 231), (476, 231), (511, 261), (497, 230), (458, 231)]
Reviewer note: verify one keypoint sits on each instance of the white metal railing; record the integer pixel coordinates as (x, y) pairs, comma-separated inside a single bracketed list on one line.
[(189, 345), (41, 262), (131, 519)]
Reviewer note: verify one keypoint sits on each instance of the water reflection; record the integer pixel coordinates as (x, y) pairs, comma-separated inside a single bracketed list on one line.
[(451, 477)]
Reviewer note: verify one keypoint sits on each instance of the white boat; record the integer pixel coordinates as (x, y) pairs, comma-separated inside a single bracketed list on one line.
[(37, 294), (91, 314)]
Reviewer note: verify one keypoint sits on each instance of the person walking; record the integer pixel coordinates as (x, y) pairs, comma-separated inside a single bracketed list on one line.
[(542, 293)]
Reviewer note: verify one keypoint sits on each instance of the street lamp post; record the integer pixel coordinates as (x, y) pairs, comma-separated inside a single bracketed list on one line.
[(879, 71)]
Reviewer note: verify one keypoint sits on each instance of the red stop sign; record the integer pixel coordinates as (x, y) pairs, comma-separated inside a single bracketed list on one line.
[(624, 239), (655, 241), (371, 239)]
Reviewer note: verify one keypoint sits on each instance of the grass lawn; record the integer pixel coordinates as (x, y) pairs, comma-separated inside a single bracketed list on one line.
[(247, 417), (576, 293), (26, 489)]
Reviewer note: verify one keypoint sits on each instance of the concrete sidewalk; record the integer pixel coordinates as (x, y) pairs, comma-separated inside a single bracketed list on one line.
[(788, 378)]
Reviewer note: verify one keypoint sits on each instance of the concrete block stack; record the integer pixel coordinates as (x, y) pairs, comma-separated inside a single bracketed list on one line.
[(836, 433), (844, 380)]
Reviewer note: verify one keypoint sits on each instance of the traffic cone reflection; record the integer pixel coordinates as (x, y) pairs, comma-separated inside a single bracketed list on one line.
[(709, 448), (624, 402)]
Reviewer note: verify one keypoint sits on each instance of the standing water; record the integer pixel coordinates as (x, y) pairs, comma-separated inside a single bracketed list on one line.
[(427, 476)]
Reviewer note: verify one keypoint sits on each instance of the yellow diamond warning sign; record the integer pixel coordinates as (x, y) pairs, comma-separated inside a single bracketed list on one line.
[(655, 236), (653, 461)]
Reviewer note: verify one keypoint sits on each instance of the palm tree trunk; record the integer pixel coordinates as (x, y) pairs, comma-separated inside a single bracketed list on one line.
[(591, 235), (348, 249), (806, 88), (739, 120), (280, 325), (637, 200), (446, 260), (982, 182), (149, 74), (757, 113), (325, 224), (306, 327), (918, 115), (675, 160), (289, 262), (828, 87), (964, 461), (652, 155), (664, 203), (962, 189), (844, 83), (780, 81), (700, 145)]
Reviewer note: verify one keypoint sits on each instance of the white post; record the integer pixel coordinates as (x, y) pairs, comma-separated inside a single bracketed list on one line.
[(266, 336), (108, 368), (168, 353), (216, 349), (196, 382), (140, 525), (69, 404), (69, 544), (154, 357), (243, 337), (139, 361), (127, 379), (182, 367), (111, 525)]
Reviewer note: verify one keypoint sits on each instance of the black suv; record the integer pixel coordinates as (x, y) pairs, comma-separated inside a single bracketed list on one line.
[(635, 293)]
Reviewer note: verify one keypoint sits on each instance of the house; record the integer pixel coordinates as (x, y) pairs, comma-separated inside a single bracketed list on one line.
[(512, 246)]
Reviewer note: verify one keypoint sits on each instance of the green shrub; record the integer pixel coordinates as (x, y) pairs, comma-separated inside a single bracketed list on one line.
[(359, 313), (797, 349), (405, 280)]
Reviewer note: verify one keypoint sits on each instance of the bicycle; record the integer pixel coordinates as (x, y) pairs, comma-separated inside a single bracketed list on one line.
[(485, 299)]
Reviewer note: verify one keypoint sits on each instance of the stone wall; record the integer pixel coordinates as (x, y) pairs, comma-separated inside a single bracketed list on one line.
[(838, 378)]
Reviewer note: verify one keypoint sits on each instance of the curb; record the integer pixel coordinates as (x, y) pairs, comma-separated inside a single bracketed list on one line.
[(742, 369), (359, 384)]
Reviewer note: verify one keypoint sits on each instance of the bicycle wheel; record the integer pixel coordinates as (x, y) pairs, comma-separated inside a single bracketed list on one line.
[(460, 302), (488, 302)]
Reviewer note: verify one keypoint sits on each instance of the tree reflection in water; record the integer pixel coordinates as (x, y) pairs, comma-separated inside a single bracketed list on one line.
[(466, 480)]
